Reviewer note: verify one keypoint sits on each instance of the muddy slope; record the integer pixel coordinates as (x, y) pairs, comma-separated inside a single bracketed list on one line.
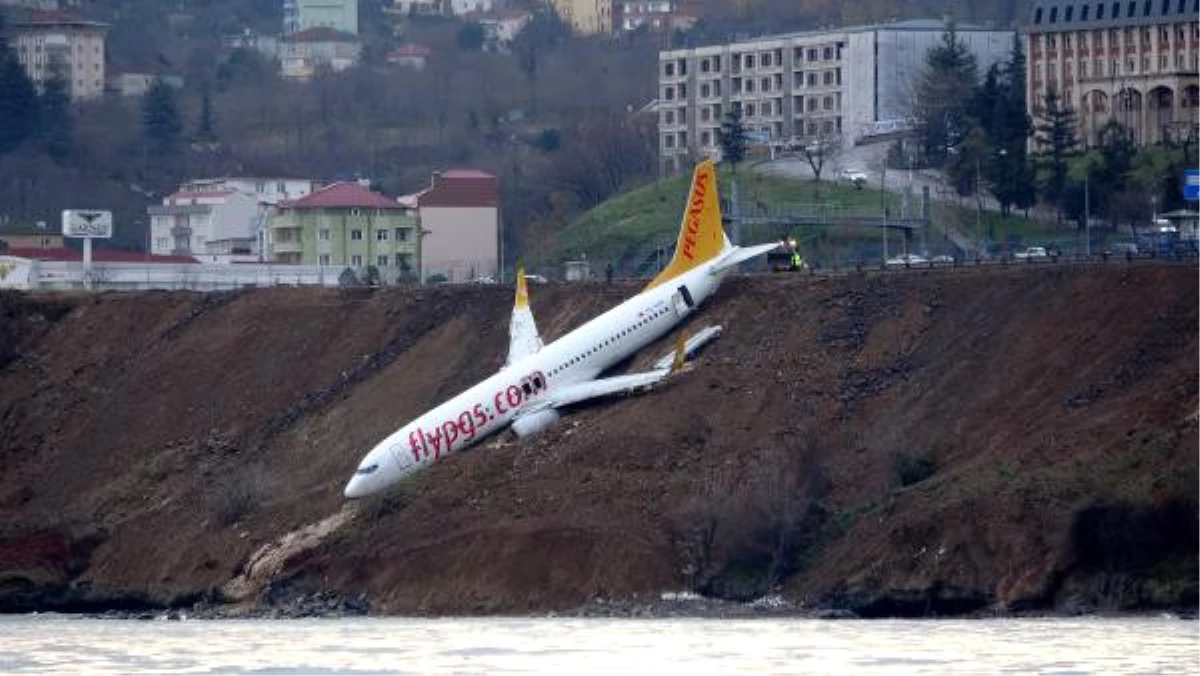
[(901, 444)]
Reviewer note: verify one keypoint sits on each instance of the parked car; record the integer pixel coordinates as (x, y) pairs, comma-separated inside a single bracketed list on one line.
[(905, 261), (1031, 253), (855, 176), (942, 259)]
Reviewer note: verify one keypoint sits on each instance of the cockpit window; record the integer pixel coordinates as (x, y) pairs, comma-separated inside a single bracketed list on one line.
[(369, 469)]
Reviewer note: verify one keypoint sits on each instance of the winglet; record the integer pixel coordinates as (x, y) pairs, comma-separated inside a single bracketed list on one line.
[(522, 299), (701, 237), (523, 337), (680, 352)]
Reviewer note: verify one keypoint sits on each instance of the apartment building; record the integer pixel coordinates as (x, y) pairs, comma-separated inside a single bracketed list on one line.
[(460, 225), (825, 85), (216, 226), (221, 220), (1133, 61), (586, 17), (50, 44), (346, 225), (340, 15), (303, 53)]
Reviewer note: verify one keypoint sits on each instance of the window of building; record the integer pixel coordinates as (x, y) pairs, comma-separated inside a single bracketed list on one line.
[(812, 104), (669, 141), (748, 61), (356, 235), (401, 235), (764, 84), (778, 81), (704, 65), (1053, 15), (669, 69), (737, 85), (1083, 13), (812, 79), (705, 114), (356, 260), (749, 85), (1067, 16), (749, 109), (668, 117), (669, 93), (827, 103), (705, 138), (812, 54), (765, 59), (1037, 15), (705, 91), (1146, 8), (779, 57), (1130, 9), (323, 259), (381, 260), (827, 76), (323, 234), (716, 61), (683, 139), (1100, 12)]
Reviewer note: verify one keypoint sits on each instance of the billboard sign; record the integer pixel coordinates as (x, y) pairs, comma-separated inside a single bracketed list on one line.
[(87, 223), (1191, 184)]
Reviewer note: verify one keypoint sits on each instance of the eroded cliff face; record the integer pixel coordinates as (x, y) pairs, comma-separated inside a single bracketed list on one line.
[(900, 444)]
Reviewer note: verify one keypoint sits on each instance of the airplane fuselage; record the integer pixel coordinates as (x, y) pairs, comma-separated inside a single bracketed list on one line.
[(494, 403)]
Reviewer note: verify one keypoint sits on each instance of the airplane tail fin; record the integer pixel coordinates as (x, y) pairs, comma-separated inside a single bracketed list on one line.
[(701, 237), (523, 336)]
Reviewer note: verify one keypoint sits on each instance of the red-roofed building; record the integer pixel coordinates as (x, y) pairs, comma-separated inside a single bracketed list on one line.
[(302, 53), (67, 255), (460, 220), (346, 225), (410, 55)]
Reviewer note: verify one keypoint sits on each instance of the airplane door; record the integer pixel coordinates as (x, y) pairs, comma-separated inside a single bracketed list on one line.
[(682, 301)]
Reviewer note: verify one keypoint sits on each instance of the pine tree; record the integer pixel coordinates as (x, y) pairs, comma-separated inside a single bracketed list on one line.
[(18, 99), (161, 121), (205, 127), (1008, 171), (732, 137), (1056, 141), (942, 94), (56, 127)]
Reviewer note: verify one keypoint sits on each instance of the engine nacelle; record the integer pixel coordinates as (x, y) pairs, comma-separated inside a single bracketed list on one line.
[(532, 423)]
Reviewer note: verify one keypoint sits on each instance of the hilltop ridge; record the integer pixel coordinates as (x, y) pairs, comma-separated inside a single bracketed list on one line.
[(935, 442)]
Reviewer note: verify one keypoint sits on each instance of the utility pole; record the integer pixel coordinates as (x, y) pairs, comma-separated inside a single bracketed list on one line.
[(1087, 212), (978, 207)]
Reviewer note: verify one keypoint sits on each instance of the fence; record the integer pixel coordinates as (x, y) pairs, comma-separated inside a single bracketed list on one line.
[(20, 273)]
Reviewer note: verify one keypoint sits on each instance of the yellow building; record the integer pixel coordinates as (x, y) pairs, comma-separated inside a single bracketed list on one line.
[(588, 17), (56, 43)]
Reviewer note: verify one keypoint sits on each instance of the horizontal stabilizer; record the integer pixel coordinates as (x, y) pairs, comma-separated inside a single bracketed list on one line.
[(702, 338), (741, 254)]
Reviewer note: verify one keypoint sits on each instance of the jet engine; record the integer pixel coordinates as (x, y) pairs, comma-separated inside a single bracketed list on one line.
[(532, 423)]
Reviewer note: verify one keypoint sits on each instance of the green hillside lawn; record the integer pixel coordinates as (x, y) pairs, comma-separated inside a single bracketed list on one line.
[(627, 228)]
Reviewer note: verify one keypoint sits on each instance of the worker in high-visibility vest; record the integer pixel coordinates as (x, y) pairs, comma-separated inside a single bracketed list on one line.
[(797, 262)]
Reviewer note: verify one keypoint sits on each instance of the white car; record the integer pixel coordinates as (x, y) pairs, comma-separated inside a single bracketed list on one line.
[(1031, 253), (905, 260), (855, 176)]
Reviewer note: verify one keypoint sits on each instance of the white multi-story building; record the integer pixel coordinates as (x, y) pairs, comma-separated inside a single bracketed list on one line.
[(51, 44), (221, 220), (817, 84)]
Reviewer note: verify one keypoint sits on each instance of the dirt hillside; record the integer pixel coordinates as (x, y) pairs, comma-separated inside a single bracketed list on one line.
[(892, 444)]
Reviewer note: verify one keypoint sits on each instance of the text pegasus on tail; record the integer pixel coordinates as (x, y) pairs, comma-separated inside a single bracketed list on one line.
[(538, 380)]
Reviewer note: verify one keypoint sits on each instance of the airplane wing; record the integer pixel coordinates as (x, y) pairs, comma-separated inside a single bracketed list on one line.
[(523, 338), (601, 387)]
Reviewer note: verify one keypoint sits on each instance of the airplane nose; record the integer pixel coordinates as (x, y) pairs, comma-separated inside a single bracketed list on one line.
[(354, 489)]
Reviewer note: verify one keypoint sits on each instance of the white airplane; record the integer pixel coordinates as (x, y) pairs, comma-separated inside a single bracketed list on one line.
[(538, 380)]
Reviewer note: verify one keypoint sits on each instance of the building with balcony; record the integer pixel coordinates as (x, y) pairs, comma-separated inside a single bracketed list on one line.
[(1133, 61), (346, 225), (826, 85), (586, 17), (58, 44), (460, 224), (215, 226)]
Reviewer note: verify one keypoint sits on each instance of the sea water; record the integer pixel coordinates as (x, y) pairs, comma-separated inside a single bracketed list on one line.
[(63, 644)]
